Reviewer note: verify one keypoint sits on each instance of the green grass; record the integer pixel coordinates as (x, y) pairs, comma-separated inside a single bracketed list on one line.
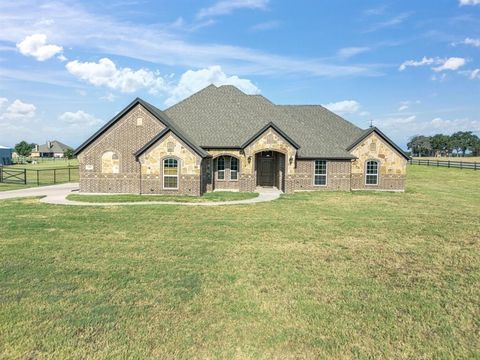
[(212, 196), (48, 164), (311, 275)]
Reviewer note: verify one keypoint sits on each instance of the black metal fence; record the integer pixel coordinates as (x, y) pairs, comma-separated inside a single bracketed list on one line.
[(472, 165), (15, 175)]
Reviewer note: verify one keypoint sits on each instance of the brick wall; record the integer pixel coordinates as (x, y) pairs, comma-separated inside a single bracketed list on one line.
[(338, 176)]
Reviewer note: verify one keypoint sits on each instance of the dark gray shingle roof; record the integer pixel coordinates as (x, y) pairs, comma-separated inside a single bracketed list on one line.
[(55, 147), (226, 117)]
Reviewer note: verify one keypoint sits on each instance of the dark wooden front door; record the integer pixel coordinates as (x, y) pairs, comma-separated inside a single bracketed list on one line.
[(265, 169)]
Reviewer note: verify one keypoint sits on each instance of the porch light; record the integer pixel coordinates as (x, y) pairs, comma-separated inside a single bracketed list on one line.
[(249, 159), (291, 160)]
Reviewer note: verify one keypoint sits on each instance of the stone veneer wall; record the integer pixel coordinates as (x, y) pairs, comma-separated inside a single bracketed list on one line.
[(189, 177), (393, 166), (338, 176), (125, 137)]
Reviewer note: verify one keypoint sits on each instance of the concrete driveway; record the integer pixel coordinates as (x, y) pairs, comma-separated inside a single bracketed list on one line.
[(56, 194)]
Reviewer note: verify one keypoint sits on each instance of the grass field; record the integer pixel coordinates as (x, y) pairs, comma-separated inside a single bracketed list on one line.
[(453, 158), (45, 173), (311, 275), (212, 196)]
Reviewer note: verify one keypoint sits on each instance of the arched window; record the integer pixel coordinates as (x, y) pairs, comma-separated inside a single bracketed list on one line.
[(110, 163), (233, 168), (170, 173), (371, 174), (221, 168)]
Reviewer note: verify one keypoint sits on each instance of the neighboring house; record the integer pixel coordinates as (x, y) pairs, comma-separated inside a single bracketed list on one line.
[(51, 149), (5, 155), (221, 138)]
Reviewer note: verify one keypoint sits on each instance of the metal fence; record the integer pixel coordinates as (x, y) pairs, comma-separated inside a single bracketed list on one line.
[(15, 175), (473, 165)]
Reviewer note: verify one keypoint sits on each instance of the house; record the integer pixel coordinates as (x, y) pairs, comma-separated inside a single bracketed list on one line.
[(5, 155), (222, 138), (51, 149)]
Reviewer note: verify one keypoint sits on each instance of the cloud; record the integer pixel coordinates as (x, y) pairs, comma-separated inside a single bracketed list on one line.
[(3, 101), (414, 63), (79, 118), (472, 42), (36, 45), (453, 63), (18, 110), (191, 81), (163, 44), (225, 7), (472, 74), (468, 2), (404, 105), (348, 52), (105, 73), (108, 97), (343, 107), (268, 25)]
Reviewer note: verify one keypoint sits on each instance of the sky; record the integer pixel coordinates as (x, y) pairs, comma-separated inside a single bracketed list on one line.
[(408, 67)]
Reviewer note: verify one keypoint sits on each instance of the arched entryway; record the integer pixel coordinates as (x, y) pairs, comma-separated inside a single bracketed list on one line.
[(270, 169)]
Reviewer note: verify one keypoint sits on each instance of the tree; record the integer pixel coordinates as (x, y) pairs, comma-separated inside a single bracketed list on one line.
[(463, 141), (23, 148), (439, 144), (420, 145), (68, 153)]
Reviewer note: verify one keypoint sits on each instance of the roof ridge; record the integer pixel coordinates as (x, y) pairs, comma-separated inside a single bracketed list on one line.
[(191, 95)]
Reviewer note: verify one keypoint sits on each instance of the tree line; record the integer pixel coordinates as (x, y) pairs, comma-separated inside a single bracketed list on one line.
[(457, 144)]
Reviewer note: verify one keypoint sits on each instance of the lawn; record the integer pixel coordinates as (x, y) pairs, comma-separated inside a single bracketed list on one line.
[(212, 196), (451, 158), (311, 275), (44, 173)]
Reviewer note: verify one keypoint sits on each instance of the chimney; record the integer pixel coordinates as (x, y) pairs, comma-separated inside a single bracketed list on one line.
[(49, 144), (36, 147)]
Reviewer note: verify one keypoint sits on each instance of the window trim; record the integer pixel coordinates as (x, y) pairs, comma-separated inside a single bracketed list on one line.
[(177, 175), (315, 174), (236, 171), (377, 175), (217, 171)]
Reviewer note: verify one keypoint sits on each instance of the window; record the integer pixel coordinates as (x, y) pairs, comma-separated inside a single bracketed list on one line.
[(221, 168), (110, 163), (170, 174), (233, 168), (371, 177), (320, 173)]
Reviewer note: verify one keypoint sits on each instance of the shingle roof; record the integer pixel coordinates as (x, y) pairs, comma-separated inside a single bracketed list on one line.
[(55, 147), (226, 117)]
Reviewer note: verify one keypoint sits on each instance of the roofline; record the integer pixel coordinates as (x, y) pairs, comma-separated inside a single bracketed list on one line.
[(382, 135), (277, 129), (159, 115), (161, 134), (326, 158)]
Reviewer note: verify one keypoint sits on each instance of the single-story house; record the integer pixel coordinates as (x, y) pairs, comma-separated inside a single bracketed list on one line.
[(51, 149), (5, 155), (222, 138)]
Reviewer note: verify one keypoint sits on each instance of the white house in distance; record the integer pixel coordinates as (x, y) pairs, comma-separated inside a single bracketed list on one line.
[(52, 149)]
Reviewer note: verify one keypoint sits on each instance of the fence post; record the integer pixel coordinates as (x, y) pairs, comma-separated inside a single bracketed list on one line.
[(461, 164), (428, 162), (54, 176), (1, 174), (69, 174), (475, 166), (25, 176), (449, 163), (437, 163), (38, 178)]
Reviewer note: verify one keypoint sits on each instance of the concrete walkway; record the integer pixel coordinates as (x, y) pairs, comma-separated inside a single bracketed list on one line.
[(56, 194)]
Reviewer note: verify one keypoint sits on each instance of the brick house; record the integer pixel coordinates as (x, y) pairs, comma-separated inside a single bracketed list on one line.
[(221, 138)]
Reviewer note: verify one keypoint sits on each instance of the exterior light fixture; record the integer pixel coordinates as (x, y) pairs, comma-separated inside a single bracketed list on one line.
[(291, 160), (249, 159)]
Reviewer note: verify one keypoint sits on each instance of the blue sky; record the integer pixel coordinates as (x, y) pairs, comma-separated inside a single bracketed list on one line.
[(67, 67)]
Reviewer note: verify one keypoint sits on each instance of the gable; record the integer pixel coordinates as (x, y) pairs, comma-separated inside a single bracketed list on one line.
[(381, 135)]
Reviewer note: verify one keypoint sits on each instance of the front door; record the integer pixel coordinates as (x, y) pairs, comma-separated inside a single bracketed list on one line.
[(265, 170)]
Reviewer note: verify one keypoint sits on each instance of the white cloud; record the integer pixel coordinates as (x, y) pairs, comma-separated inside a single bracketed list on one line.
[(18, 110), (3, 101), (108, 97), (415, 63), (404, 105), (472, 74), (106, 73), (225, 7), (79, 118), (469, 2), (471, 41), (453, 63), (36, 45), (348, 52), (343, 107), (397, 20), (191, 81)]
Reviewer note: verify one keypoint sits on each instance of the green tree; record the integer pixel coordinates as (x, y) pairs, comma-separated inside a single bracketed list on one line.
[(420, 145), (68, 153), (23, 148), (463, 141), (440, 144)]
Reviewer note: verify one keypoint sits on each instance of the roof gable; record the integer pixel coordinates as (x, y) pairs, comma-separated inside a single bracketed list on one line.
[(265, 128), (377, 131)]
